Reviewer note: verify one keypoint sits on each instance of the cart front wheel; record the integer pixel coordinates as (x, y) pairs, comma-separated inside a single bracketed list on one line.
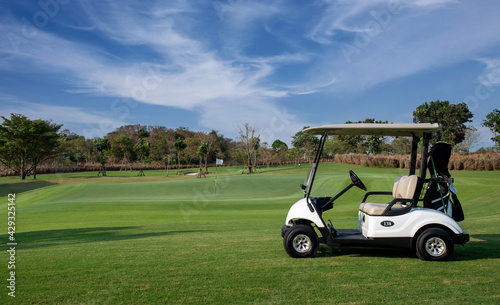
[(301, 241), (434, 245)]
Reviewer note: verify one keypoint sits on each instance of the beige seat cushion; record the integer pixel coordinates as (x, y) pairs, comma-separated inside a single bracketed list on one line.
[(371, 208), (404, 188), (377, 209)]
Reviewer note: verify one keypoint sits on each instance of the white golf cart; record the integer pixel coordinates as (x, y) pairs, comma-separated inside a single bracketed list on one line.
[(431, 229)]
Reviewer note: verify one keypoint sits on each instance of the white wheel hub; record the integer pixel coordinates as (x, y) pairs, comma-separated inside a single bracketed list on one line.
[(302, 243), (435, 246)]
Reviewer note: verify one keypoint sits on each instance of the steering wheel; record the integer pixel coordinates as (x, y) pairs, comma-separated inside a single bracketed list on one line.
[(356, 181)]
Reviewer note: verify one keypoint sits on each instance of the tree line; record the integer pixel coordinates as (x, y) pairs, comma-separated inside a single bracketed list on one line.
[(26, 144)]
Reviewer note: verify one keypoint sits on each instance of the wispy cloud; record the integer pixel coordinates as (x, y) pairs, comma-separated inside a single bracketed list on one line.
[(491, 74), (373, 42), (243, 14), (272, 121), (184, 71), (99, 123), (429, 3), (352, 16), (338, 17)]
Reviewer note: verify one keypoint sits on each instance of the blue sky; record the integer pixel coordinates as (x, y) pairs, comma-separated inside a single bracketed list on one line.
[(277, 65)]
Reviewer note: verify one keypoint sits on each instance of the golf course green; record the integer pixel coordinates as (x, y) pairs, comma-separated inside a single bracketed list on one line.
[(123, 239)]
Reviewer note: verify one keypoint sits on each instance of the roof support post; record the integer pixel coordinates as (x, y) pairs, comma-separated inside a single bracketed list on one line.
[(413, 159), (425, 152), (314, 166)]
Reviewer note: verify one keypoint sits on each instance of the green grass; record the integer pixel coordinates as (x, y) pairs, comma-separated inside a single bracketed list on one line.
[(124, 239)]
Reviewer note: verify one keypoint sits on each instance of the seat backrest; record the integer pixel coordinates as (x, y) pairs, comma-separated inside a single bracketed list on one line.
[(405, 186)]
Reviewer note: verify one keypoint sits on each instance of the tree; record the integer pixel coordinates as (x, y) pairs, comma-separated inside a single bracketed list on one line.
[(46, 142), (25, 143), (159, 150), (451, 118), (101, 144), (471, 138), (202, 152), (333, 146), (142, 133), (142, 150), (374, 143), (280, 149), (191, 152), (293, 154), (122, 147), (265, 154), (249, 143), (362, 144), (179, 146), (493, 123), (256, 147), (73, 146), (401, 145), (306, 142), (211, 140)]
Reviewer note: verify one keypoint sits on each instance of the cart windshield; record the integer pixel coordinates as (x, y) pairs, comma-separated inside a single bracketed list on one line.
[(308, 183), (415, 131), (314, 166)]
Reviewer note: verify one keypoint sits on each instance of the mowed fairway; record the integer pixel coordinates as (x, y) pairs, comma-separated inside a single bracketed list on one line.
[(124, 239)]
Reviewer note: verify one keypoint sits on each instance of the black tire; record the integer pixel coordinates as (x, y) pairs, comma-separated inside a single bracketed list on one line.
[(285, 233), (434, 245), (301, 241)]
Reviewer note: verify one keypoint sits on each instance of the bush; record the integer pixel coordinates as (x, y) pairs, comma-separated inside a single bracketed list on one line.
[(458, 161)]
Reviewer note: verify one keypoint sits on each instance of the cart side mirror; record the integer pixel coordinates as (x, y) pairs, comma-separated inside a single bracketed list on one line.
[(303, 187)]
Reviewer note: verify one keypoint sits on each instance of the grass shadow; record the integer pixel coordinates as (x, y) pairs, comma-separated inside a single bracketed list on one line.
[(484, 246), (20, 187), (325, 251), (49, 238)]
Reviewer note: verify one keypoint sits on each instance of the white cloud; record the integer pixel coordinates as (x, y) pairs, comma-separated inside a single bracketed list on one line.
[(139, 24), (369, 45), (338, 16), (94, 124), (429, 3), (243, 14), (273, 122), (491, 75), (184, 73)]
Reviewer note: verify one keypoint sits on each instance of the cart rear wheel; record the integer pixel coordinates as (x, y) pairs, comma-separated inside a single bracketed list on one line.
[(434, 245), (301, 241)]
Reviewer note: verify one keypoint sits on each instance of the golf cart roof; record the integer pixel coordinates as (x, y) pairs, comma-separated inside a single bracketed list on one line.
[(394, 130)]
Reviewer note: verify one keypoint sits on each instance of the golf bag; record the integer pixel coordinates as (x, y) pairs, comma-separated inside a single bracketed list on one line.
[(440, 194)]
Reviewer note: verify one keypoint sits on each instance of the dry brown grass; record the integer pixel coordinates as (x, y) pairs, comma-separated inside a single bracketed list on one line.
[(458, 161)]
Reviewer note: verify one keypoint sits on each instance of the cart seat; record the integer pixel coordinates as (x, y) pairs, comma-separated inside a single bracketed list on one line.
[(404, 189)]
